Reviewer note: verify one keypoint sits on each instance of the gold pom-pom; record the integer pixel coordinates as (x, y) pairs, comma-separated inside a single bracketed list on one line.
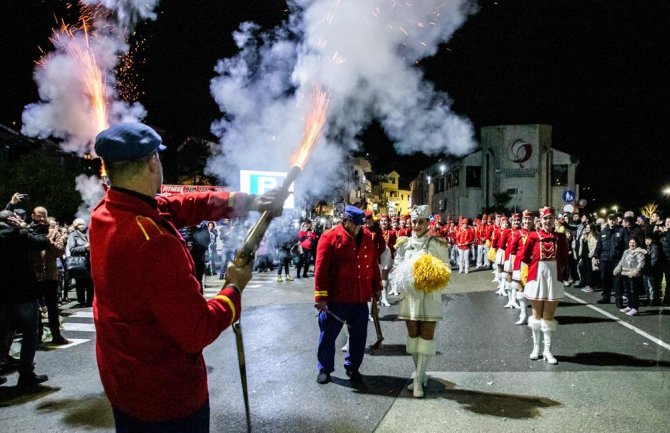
[(430, 273), (401, 240), (487, 243), (524, 273), (492, 255)]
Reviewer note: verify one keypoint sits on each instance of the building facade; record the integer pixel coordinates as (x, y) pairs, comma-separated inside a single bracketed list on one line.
[(515, 166)]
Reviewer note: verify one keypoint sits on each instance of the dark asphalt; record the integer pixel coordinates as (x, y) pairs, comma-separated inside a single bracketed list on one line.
[(609, 377)]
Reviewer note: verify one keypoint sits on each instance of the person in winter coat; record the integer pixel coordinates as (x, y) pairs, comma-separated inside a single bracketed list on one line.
[(630, 268), (609, 249), (652, 274), (665, 246), (19, 292), (78, 245), (307, 239), (585, 248), (285, 240)]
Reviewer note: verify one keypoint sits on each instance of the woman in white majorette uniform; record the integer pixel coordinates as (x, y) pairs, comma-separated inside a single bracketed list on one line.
[(421, 290), (546, 253)]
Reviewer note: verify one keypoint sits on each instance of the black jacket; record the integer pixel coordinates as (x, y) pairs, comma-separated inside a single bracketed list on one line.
[(18, 284), (665, 243), (610, 245)]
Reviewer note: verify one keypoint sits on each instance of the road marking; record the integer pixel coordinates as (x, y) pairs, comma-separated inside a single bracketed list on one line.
[(253, 286), (79, 327), (646, 335), (82, 314), (73, 342)]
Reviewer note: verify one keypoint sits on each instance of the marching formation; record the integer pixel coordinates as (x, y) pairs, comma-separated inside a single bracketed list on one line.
[(361, 257)]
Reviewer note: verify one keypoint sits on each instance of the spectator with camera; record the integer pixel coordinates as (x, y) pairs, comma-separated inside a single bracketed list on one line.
[(46, 271), (19, 292)]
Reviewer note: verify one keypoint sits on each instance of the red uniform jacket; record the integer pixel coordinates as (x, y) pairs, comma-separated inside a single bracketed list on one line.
[(542, 245), (512, 243), (377, 238), (520, 248), (306, 239), (152, 323), (391, 237), (464, 238), (346, 273)]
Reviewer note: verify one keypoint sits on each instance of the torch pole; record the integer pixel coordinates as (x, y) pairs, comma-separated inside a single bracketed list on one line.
[(245, 254)]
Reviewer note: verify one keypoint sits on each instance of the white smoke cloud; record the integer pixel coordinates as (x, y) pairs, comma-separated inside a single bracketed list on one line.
[(92, 191), (63, 78), (364, 53), (128, 12), (65, 110)]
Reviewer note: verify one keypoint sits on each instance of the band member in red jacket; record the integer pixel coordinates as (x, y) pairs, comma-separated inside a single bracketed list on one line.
[(500, 246), (519, 268), (464, 238), (546, 253), (510, 256), (391, 237), (152, 323), (346, 276), (383, 252)]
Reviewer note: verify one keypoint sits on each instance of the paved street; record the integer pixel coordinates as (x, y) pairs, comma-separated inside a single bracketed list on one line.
[(612, 376)]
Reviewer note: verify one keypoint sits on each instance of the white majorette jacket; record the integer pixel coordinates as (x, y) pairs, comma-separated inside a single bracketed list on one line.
[(418, 304)]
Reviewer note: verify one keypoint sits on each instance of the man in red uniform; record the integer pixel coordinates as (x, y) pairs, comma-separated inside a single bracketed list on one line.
[(152, 323), (346, 276)]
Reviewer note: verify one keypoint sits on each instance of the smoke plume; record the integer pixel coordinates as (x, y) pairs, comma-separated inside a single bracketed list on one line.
[(91, 190), (365, 53)]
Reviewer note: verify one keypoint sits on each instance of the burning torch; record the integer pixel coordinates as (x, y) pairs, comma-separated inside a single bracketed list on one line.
[(245, 254)]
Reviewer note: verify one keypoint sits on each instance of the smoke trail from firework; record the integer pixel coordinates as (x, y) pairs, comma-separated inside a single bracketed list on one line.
[(91, 191), (365, 55), (128, 12), (76, 85)]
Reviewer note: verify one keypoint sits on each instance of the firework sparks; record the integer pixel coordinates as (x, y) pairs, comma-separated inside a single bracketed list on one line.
[(313, 128)]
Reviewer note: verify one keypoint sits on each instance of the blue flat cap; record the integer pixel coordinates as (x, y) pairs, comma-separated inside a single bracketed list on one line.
[(126, 142), (354, 214)]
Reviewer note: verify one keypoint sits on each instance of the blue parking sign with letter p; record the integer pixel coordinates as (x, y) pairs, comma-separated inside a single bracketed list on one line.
[(260, 182)]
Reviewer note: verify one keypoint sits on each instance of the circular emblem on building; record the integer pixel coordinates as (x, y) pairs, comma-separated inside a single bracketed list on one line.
[(520, 151)]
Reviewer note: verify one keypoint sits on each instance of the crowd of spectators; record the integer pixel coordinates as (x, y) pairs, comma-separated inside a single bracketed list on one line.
[(623, 256), (35, 279)]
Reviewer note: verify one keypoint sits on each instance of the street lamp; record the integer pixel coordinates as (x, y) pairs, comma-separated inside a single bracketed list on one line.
[(666, 190), (615, 208), (603, 211), (442, 168), (428, 179)]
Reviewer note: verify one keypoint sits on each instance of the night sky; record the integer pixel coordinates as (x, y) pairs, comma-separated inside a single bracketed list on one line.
[(598, 71)]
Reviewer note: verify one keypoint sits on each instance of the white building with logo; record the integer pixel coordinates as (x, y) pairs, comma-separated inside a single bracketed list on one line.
[(516, 161)]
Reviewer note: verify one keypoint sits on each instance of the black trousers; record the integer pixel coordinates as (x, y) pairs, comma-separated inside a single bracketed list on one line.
[(50, 291)]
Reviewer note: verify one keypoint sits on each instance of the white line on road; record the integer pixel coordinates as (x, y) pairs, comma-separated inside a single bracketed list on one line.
[(79, 327), (82, 314), (73, 342), (646, 335)]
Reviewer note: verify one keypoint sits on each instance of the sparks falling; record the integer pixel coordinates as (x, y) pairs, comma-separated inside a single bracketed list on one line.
[(313, 128)]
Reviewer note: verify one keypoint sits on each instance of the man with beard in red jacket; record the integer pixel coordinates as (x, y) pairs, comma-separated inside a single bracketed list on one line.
[(346, 276)]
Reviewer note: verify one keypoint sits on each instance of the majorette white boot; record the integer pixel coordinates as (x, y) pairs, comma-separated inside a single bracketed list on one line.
[(412, 344), (393, 290), (426, 350), (384, 301), (511, 295), (523, 313), (548, 328), (534, 325)]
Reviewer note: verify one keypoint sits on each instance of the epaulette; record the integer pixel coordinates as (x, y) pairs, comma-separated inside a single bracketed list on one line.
[(147, 225), (401, 240)]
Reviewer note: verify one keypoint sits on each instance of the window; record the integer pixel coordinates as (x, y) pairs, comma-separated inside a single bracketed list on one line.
[(473, 177), (559, 175), (455, 176)]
